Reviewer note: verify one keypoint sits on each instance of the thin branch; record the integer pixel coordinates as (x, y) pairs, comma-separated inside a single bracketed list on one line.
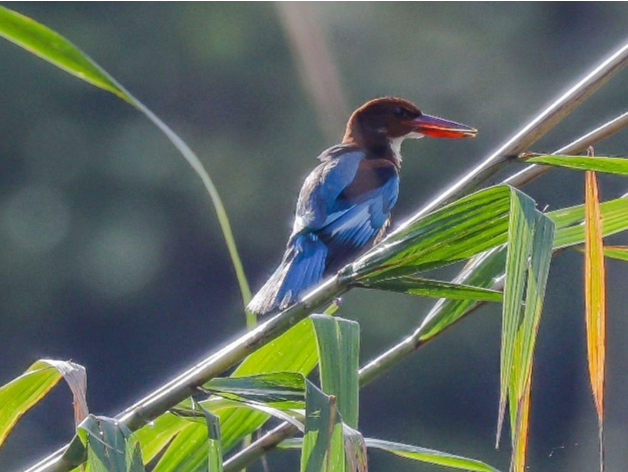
[(184, 385), (412, 343)]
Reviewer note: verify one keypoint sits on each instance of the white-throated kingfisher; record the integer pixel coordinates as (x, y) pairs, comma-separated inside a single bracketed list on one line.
[(344, 204)]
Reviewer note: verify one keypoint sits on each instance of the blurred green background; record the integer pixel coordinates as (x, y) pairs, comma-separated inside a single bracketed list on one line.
[(111, 255)]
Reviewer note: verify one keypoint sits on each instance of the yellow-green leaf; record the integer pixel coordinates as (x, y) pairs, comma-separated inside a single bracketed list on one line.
[(595, 296), (24, 392)]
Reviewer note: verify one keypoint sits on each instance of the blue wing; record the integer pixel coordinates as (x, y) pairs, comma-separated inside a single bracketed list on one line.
[(343, 205), (346, 202)]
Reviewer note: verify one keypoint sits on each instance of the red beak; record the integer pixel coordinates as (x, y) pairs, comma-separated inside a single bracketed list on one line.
[(440, 128)]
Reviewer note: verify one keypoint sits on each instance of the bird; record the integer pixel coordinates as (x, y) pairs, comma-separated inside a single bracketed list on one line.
[(344, 204)]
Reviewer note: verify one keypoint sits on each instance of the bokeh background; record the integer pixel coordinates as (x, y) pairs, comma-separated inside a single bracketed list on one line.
[(111, 255)]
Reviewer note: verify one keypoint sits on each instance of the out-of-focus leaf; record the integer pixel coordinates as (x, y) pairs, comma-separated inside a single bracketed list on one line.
[(455, 232), (616, 252), (338, 343), (520, 235), (434, 289), (22, 393), (323, 442), (111, 447), (611, 165), (595, 297), (525, 340), (430, 456)]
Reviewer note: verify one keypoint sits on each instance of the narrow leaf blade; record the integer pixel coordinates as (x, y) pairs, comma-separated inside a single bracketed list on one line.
[(214, 447), (434, 288), (430, 456), (338, 342), (323, 442), (520, 232), (595, 298), (521, 377), (611, 165)]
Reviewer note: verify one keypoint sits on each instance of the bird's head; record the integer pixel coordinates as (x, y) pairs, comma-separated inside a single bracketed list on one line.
[(395, 119)]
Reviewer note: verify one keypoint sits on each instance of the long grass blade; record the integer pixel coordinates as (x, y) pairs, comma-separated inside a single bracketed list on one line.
[(430, 456), (595, 302), (54, 48), (434, 288)]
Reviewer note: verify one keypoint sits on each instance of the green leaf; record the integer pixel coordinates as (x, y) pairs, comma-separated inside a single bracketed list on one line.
[(520, 236), (434, 288), (525, 340), (214, 447), (187, 451), (455, 232), (294, 351), (54, 48), (157, 434), (485, 269), (481, 271), (284, 388), (611, 165), (323, 442), (570, 222), (111, 447), (430, 456), (21, 394), (616, 252), (338, 343)]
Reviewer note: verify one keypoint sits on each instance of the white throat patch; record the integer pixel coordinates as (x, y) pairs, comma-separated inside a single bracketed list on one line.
[(395, 144)]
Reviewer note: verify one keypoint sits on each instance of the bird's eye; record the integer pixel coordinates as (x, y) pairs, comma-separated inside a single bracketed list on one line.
[(399, 112)]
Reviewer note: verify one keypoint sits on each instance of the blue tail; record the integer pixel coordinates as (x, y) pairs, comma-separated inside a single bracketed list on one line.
[(302, 268)]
